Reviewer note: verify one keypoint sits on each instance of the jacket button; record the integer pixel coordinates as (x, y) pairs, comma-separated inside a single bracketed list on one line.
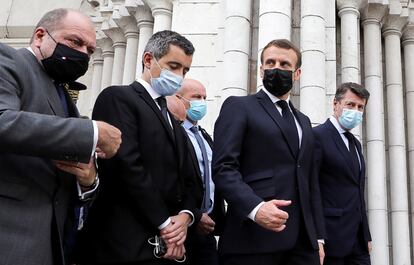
[(298, 166)]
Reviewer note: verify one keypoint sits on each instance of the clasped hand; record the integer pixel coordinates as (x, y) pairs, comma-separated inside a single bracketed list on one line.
[(85, 173), (174, 236)]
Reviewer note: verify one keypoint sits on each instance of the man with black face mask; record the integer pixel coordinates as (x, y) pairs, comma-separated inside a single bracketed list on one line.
[(47, 167), (263, 167)]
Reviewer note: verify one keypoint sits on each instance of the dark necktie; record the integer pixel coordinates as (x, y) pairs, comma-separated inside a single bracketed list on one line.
[(292, 131), (206, 199), (61, 92), (352, 151), (163, 106)]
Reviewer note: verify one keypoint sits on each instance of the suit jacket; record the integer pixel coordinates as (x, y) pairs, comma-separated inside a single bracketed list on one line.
[(34, 195), (218, 210), (142, 185), (342, 192), (253, 162)]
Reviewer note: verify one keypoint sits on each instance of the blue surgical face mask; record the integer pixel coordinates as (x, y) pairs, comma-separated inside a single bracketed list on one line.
[(350, 118), (197, 110), (167, 84)]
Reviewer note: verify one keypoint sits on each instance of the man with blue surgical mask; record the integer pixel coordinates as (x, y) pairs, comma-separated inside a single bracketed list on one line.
[(201, 243), (340, 167), (147, 188)]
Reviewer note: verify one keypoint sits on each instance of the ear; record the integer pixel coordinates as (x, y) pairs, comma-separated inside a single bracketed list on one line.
[(335, 103), (147, 60), (38, 36), (261, 72), (296, 74)]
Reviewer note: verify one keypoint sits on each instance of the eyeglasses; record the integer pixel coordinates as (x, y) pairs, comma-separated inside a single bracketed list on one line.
[(160, 248)]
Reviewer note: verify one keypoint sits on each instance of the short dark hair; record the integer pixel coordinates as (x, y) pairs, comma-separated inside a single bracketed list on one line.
[(159, 43), (52, 20), (355, 88), (284, 44)]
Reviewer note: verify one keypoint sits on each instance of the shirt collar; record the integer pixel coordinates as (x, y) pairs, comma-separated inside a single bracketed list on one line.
[(273, 98), (188, 124), (154, 95), (336, 124), (31, 50)]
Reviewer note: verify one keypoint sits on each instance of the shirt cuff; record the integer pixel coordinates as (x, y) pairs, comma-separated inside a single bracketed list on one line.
[(252, 214), (95, 137), (164, 225), (191, 214), (322, 241), (83, 196)]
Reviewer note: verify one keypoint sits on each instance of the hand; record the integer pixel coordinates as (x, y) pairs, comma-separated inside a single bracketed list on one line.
[(321, 253), (176, 231), (85, 173), (109, 140), (369, 247), (271, 217), (174, 252), (206, 225)]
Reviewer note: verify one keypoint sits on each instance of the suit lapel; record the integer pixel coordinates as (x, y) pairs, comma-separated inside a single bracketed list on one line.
[(339, 142), (206, 136), (306, 131), (270, 108), (194, 160), (178, 140), (151, 103), (361, 159), (46, 84)]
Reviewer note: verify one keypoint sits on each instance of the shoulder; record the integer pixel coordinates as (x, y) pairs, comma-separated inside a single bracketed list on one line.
[(117, 92), (239, 102), (9, 56)]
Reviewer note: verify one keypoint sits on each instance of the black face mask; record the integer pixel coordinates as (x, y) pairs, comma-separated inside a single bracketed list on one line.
[(65, 64), (277, 81)]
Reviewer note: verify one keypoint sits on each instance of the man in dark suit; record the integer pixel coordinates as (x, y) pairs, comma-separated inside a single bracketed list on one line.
[(341, 170), (45, 159), (262, 166), (201, 244), (145, 190)]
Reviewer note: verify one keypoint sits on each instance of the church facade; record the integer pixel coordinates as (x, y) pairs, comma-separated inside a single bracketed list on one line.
[(365, 41)]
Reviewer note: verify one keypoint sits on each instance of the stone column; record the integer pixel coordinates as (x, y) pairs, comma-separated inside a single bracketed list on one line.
[(119, 43), (377, 189), (108, 61), (408, 44), (312, 44), (162, 13), (330, 53), (275, 20), (349, 14), (97, 64), (128, 24), (236, 48), (348, 11), (396, 140), (145, 25)]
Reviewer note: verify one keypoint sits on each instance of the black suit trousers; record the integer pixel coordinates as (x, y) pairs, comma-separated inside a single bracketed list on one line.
[(302, 254), (201, 249), (358, 256)]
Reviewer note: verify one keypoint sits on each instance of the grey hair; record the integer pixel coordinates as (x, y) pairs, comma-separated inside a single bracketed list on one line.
[(355, 88), (52, 20), (159, 43)]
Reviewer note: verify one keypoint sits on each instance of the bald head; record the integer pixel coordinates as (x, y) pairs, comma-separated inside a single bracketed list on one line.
[(66, 26), (55, 18), (192, 89), (190, 85)]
